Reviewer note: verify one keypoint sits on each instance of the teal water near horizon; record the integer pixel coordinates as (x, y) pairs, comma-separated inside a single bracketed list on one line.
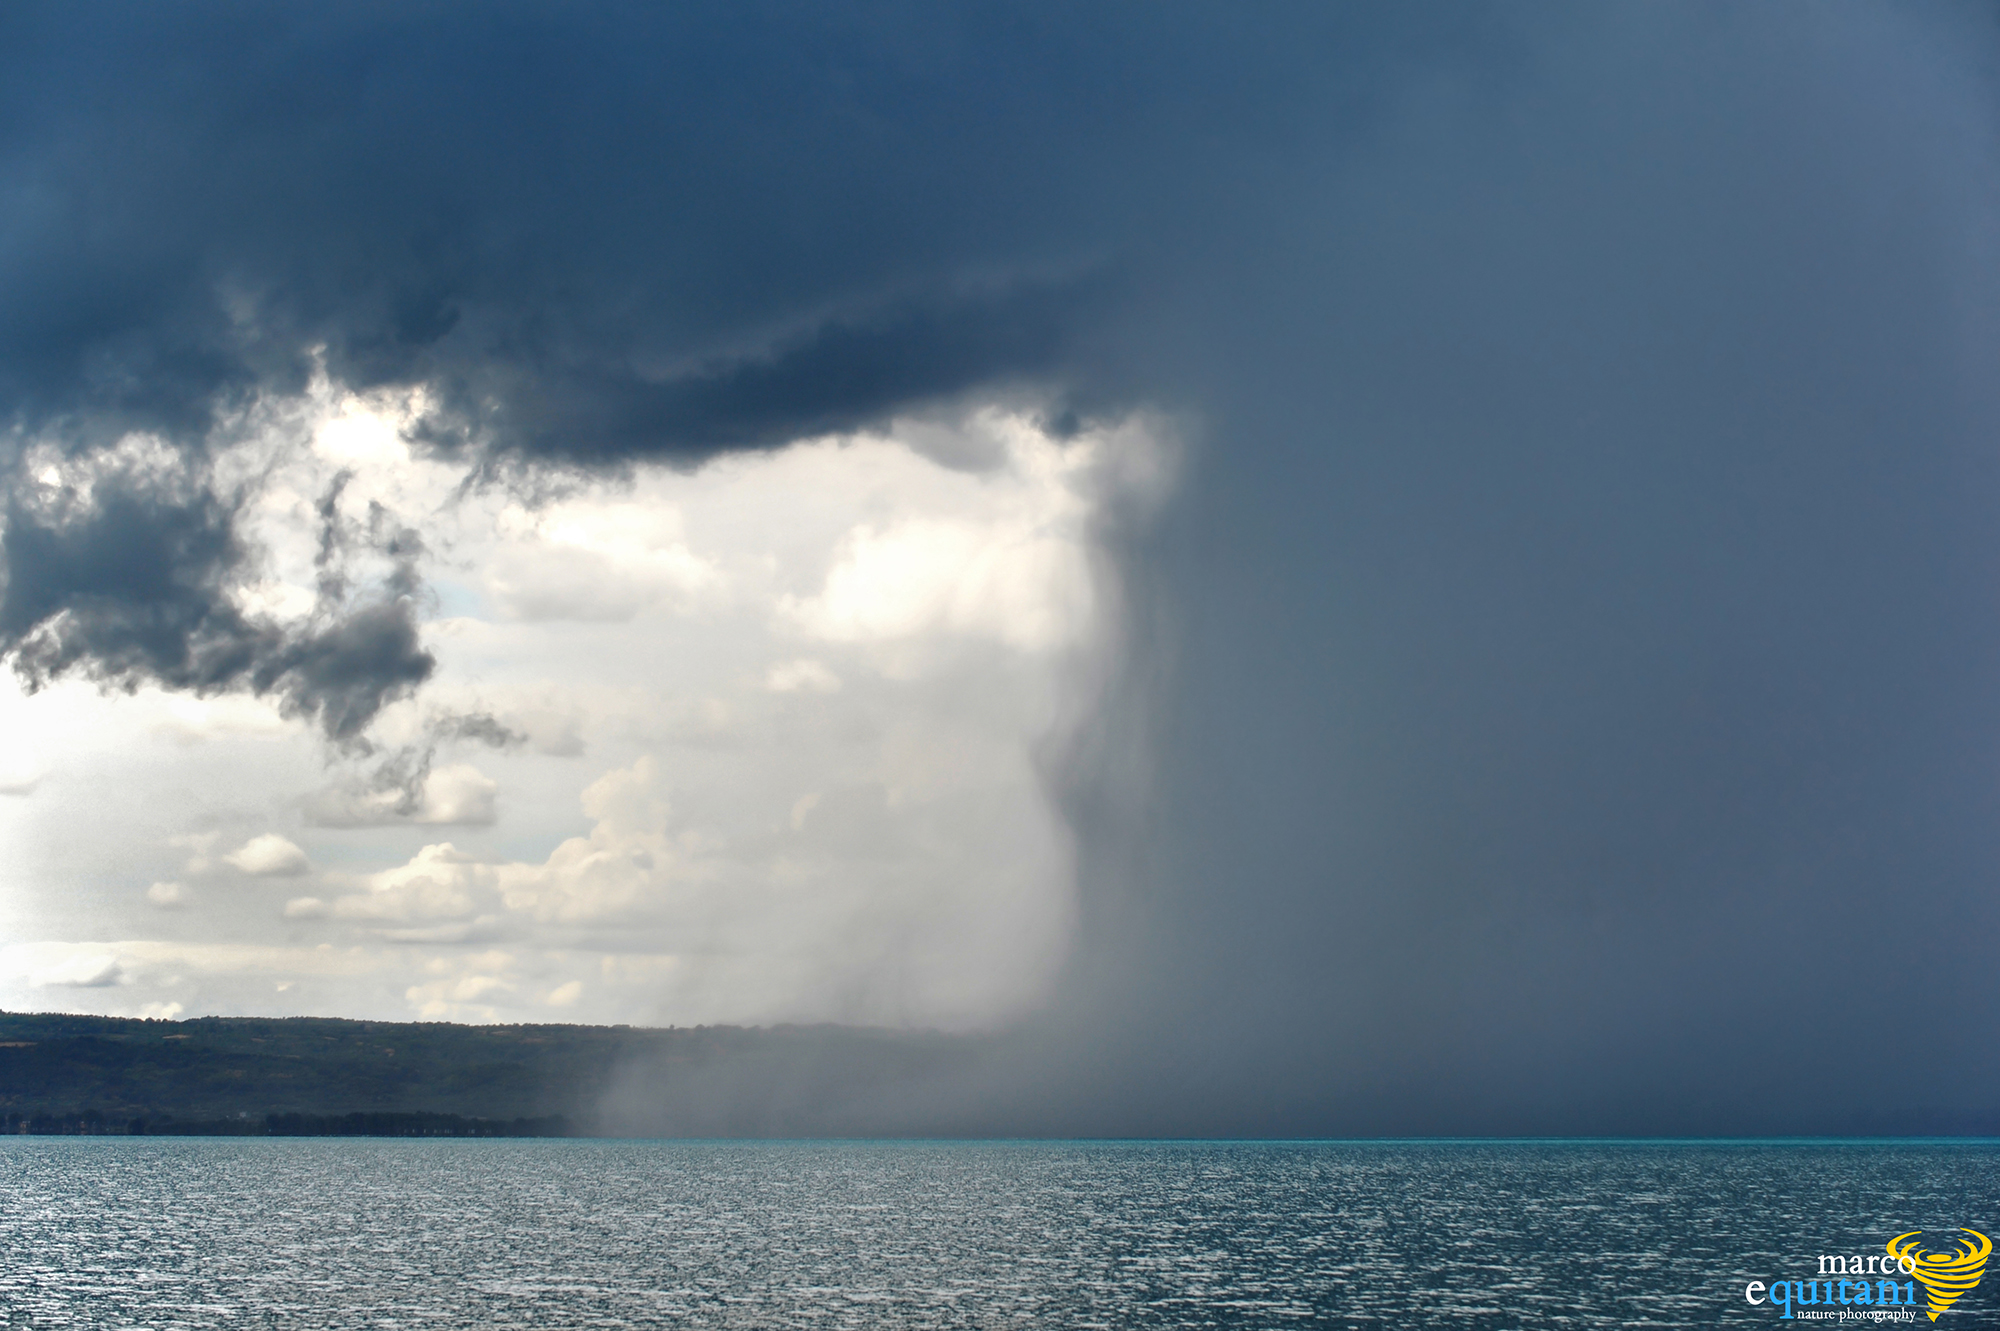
[(312, 1233)]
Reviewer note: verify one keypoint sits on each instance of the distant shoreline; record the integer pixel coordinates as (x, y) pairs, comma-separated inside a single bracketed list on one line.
[(357, 1124), (65, 1075)]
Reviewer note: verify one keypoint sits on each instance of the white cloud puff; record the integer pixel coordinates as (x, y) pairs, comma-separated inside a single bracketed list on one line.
[(593, 558), (1012, 582), (268, 856), (466, 988), (440, 896), (167, 896), (459, 794)]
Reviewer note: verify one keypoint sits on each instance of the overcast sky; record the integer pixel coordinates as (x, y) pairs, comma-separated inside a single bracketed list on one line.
[(1331, 568)]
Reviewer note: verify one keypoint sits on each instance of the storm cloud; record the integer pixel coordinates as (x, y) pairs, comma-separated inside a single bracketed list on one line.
[(1564, 691), (128, 584)]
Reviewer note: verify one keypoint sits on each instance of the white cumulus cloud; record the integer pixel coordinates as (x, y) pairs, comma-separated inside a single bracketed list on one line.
[(269, 856)]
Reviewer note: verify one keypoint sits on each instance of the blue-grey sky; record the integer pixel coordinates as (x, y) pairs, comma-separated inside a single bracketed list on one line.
[(1335, 569)]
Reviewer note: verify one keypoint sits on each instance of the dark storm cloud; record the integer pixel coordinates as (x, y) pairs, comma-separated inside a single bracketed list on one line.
[(130, 588), (838, 375), (1572, 659), (617, 230), (592, 234)]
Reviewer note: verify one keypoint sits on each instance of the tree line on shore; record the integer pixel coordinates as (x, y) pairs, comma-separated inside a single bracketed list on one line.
[(312, 1076), (94, 1123)]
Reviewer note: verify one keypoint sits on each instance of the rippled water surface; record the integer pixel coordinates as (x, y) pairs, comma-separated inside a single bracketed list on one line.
[(151, 1232)]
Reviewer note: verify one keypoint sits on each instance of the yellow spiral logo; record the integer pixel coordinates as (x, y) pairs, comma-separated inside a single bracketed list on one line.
[(1945, 1275)]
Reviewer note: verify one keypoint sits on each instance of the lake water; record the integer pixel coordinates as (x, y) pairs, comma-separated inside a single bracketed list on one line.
[(159, 1232)]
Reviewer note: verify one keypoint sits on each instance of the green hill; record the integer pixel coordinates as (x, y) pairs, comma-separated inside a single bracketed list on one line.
[(311, 1074)]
